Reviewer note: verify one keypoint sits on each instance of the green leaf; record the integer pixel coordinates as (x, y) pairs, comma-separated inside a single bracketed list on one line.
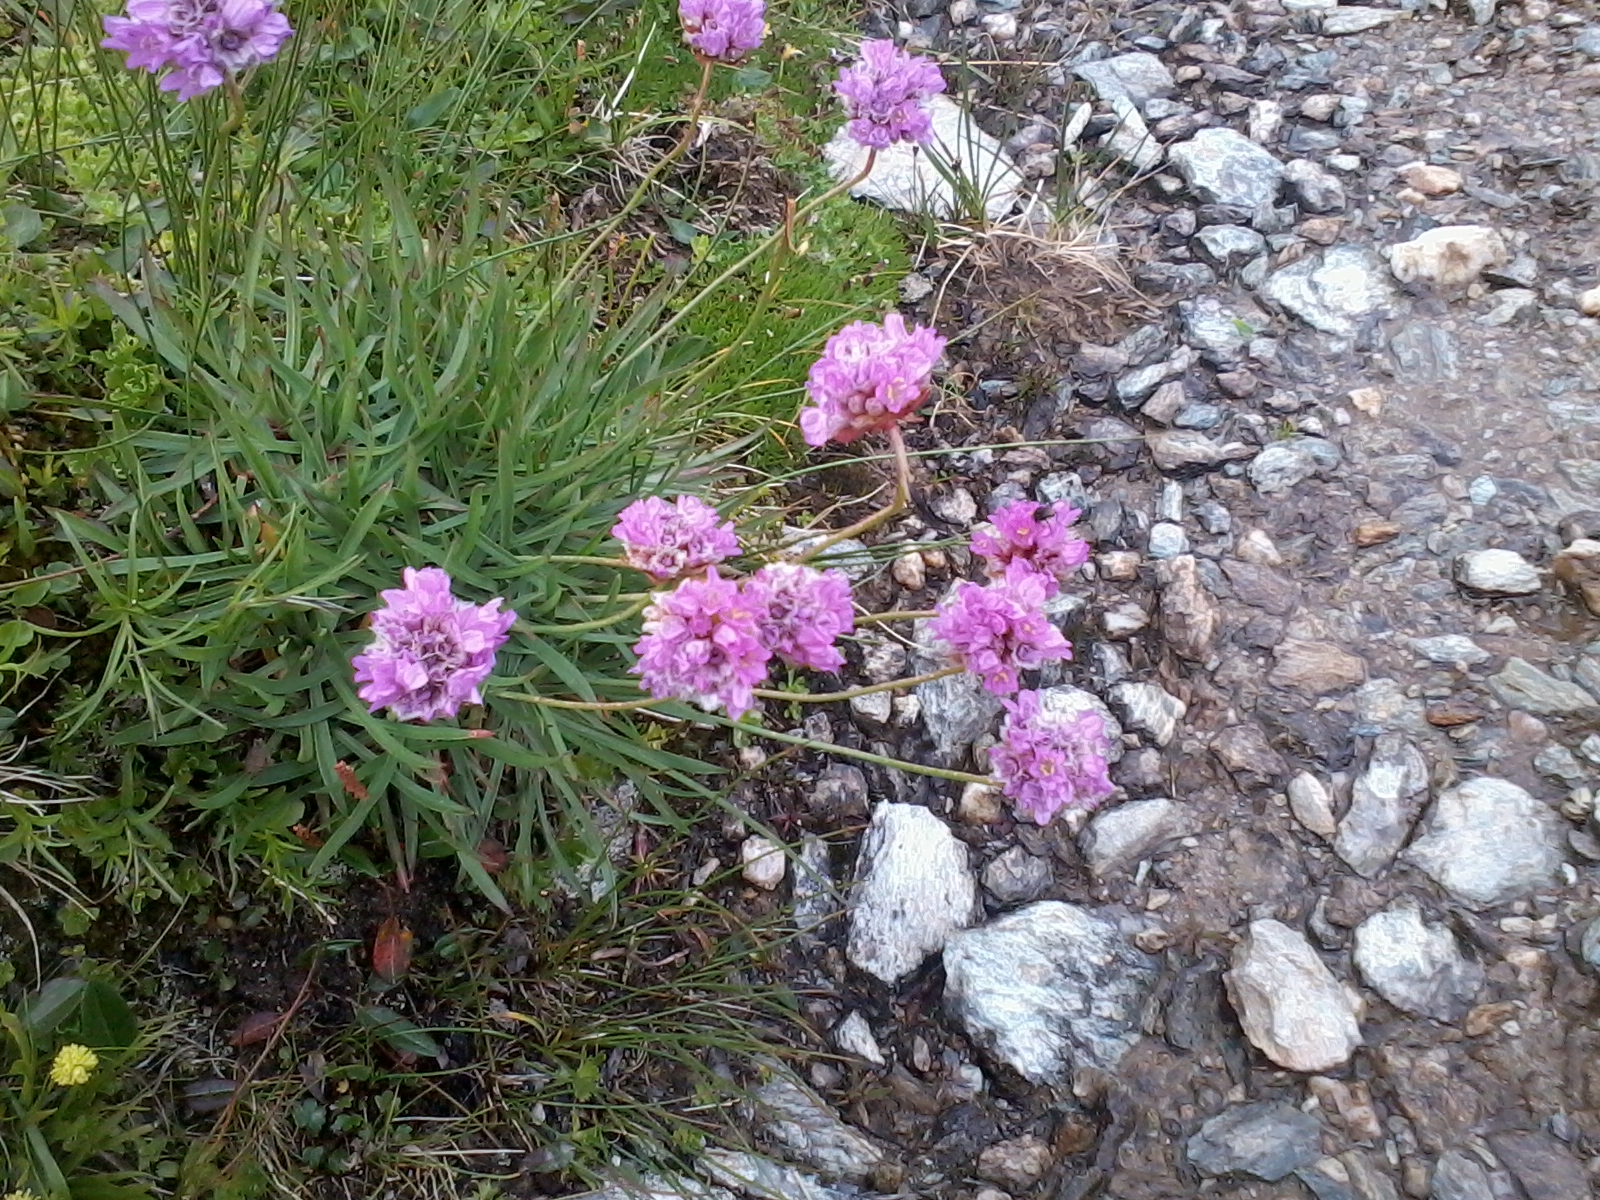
[(751, 79), (682, 231), (51, 1004), (22, 224), (105, 1022), (398, 1031)]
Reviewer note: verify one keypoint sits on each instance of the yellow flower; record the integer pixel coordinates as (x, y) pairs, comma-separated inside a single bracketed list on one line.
[(19, 1194), (73, 1065)]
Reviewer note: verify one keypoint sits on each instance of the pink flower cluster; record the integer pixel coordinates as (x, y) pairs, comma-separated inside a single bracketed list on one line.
[(999, 631), (869, 378), (1048, 761), (884, 92), (198, 43), (723, 30), (667, 540), (430, 652), (709, 641), (1049, 548)]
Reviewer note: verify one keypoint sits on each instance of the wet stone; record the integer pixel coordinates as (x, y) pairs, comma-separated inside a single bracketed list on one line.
[(1268, 1140), (1291, 1007), (1048, 989), (1488, 842), (1524, 686), (1384, 803), (1224, 167), (914, 888), (1415, 965)]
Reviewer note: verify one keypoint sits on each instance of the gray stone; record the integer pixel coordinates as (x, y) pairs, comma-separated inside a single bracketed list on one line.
[(655, 1187), (1354, 18), (1415, 965), (1119, 837), (1018, 1163), (1488, 842), (1291, 1007), (1497, 573), (1229, 247), (1136, 385), (1183, 451), (1520, 684), (1384, 803), (1130, 140), (854, 1036), (1448, 256), (1267, 1140), (1315, 668), (1190, 619), (1451, 649), (1509, 305), (1459, 1176), (1312, 805), (1558, 762), (1139, 77), (1220, 331), (1333, 292), (1222, 166), (1587, 42), (816, 895), (1017, 877), (1315, 189), (1167, 540), (1280, 467), (914, 888), (793, 1117), (1544, 1167), (956, 711), (1049, 989), (761, 1178), (1148, 708), (905, 177), (1383, 706)]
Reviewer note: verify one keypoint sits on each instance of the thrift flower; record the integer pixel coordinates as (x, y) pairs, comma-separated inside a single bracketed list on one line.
[(666, 540), (870, 377), (999, 631), (1049, 547), (725, 30), (73, 1065), (883, 94), (198, 43), (1047, 761), (429, 651), (802, 612), (702, 643)]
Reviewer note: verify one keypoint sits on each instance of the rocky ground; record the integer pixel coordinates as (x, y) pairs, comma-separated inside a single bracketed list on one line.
[(1336, 935)]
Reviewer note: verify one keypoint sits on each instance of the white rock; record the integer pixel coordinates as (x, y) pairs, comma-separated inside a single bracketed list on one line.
[(810, 1131), (903, 178), (914, 888), (1119, 837), (760, 1178), (765, 863), (1290, 1005), (1385, 801), (854, 1036), (1589, 302), (1497, 573), (1048, 989), (1488, 842), (1222, 166), (1354, 18), (1312, 805), (1416, 966), (1451, 650), (1450, 256), (1138, 76), (1333, 292), (1130, 140), (1150, 709)]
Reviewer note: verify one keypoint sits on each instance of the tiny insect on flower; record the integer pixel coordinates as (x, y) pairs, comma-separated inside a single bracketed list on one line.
[(73, 1065), (870, 378), (884, 92), (723, 30)]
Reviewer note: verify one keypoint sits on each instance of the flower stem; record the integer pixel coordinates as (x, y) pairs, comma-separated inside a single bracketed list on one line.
[(898, 614), (583, 705), (633, 609), (852, 693), (588, 560), (881, 760), (901, 501)]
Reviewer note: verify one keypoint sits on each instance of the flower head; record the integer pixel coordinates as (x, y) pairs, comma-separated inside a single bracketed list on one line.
[(725, 30), (870, 377), (802, 612), (883, 93), (19, 1194), (73, 1065), (198, 43), (702, 643), (1047, 761), (666, 540), (1015, 534), (999, 631), (430, 652)]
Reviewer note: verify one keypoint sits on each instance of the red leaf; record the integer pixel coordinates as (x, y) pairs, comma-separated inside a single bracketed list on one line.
[(347, 776), (257, 1027), (493, 856), (391, 951)]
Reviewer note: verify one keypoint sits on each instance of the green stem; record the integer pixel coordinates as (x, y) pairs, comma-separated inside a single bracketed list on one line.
[(899, 614), (901, 501), (633, 609), (881, 760), (587, 560), (850, 694), (583, 705)]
